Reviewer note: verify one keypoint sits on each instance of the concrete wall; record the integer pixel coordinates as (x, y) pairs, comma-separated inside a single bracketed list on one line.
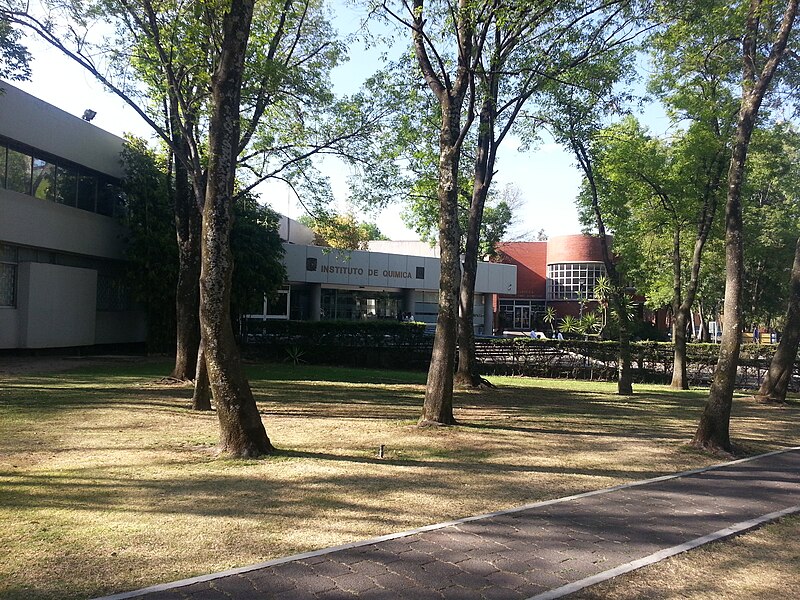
[(294, 232), (56, 306), (27, 119), (30, 221), (9, 327)]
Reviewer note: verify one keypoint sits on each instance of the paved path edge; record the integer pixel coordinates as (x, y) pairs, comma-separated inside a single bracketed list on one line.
[(731, 531), (162, 587)]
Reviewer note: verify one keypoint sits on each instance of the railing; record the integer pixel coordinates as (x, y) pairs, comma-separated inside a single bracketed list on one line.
[(406, 346)]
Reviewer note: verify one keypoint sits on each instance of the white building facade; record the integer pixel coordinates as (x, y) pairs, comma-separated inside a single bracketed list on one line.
[(61, 247), (324, 283)]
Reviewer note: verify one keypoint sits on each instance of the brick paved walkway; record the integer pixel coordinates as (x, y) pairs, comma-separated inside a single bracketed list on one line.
[(540, 551)]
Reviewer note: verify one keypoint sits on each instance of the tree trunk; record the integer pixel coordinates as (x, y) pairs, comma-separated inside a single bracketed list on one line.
[(242, 433), (776, 382), (201, 398), (705, 334), (438, 406), (713, 431), (680, 378), (187, 296), (467, 374)]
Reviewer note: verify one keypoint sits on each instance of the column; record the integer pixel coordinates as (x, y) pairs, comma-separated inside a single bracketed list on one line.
[(488, 314), (408, 300), (315, 302)]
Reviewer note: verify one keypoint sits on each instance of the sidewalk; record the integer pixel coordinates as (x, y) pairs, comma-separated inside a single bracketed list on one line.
[(540, 551)]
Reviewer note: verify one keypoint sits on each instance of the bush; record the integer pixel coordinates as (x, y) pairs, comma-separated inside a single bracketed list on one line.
[(382, 344)]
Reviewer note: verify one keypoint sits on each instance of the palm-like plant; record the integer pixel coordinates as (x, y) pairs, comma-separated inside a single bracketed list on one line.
[(602, 291), (550, 317), (590, 323), (569, 324)]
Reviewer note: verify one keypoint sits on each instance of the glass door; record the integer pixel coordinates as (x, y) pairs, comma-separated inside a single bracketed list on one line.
[(522, 317)]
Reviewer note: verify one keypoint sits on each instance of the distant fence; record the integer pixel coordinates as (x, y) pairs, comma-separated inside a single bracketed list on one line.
[(650, 361), (395, 345)]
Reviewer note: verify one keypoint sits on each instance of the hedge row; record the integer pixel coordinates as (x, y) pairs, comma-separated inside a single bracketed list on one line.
[(379, 344)]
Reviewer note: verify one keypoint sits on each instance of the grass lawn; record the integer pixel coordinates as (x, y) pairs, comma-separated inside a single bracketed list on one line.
[(108, 482)]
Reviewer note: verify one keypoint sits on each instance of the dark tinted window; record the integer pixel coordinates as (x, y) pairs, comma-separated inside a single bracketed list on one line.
[(18, 172)]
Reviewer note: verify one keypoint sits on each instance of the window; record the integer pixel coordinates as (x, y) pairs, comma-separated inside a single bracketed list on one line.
[(277, 307), (44, 179), (3, 152), (573, 281), (8, 276), (67, 182), (49, 179), (87, 192), (18, 172)]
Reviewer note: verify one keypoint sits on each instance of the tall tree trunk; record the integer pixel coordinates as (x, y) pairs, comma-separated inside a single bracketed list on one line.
[(617, 296), (467, 374), (713, 430), (776, 382), (201, 397), (624, 371), (187, 296), (683, 307), (438, 406), (241, 430), (705, 334), (680, 379), (450, 92)]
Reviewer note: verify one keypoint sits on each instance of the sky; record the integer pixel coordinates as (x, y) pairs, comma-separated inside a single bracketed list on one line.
[(546, 176)]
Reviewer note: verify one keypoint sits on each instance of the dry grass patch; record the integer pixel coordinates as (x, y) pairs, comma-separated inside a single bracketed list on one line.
[(109, 483)]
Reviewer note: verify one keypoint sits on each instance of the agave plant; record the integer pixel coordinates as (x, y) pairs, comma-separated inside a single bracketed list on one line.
[(569, 324), (590, 323)]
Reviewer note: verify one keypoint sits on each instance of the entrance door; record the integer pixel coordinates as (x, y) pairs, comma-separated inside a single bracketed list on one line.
[(522, 317)]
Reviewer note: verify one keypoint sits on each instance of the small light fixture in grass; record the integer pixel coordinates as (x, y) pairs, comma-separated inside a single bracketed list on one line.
[(381, 450)]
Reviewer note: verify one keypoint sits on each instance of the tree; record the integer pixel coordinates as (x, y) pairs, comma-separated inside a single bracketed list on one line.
[(14, 57), (179, 51), (660, 199), (527, 48), (574, 115), (258, 269), (344, 232), (771, 220), (776, 381), (764, 35), (159, 61), (437, 29), (550, 317), (152, 260)]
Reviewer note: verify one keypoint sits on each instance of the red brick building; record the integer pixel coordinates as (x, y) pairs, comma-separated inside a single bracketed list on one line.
[(560, 272)]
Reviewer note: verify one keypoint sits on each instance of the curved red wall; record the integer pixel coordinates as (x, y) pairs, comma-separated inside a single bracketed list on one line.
[(574, 248)]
